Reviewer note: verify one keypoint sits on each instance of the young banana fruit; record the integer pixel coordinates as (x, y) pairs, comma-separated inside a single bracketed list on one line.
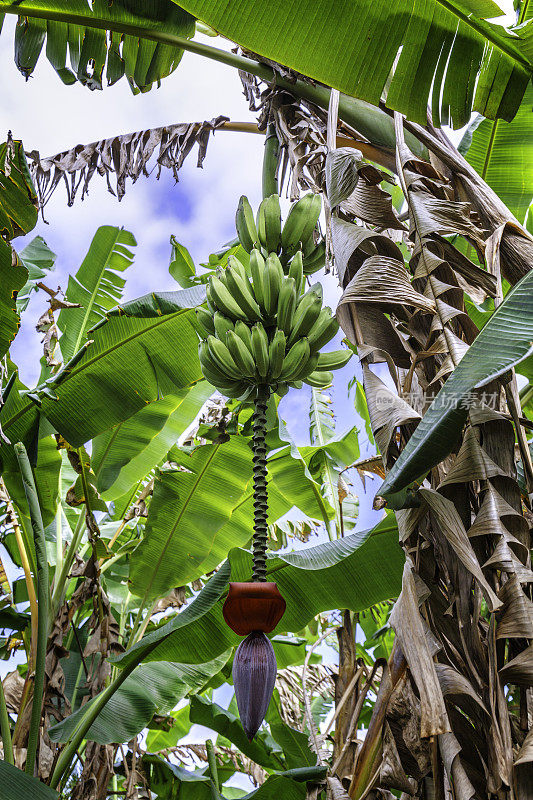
[(319, 380), (245, 224), (259, 327), (269, 224), (300, 223), (335, 359)]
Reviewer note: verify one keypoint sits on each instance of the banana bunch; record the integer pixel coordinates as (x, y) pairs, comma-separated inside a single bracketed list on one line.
[(259, 328), (297, 234)]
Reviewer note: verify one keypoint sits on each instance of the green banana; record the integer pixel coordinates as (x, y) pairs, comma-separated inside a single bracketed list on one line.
[(282, 389), (223, 300), (323, 330), (273, 275), (305, 317), (319, 380), (296, 271), (300, 223), (223, 358), (295, 384), (308, 368), (276, 354), (315, 288), (244, 333), (295, 361), (315, 260), (240, 354), (203, 323), (257, 270), (308, 246), (336, 359), (236, 264), (241, 292), (222, 325), (269, 224), (210, 368), (286, 305), (240, 391), (211, 307), (245, 224), (260, 349)]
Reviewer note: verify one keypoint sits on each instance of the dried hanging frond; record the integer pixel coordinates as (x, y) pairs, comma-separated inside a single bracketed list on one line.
[(125, 156), (319, 680)]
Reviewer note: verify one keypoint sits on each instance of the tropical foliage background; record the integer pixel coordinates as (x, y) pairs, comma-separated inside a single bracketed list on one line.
[(405, 654)]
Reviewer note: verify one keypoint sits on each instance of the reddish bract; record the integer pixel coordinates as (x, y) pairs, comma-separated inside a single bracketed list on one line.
[(253, 607)]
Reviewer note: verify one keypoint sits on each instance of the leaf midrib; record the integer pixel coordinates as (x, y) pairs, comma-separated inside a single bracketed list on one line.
[(90, 304), (327, 465), (102, 354), (186, 504)]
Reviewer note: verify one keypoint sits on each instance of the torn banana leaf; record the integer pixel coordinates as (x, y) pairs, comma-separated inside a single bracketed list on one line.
[(505, 341)]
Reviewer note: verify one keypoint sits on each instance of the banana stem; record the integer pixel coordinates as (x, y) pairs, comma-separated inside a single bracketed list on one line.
[(68, 559), (212, 761), (43, 597), (59, 539), (260, 485), (270, 161), (24, 560), (5, 728)]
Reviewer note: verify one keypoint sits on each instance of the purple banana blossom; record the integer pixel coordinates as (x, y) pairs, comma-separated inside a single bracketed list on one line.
[(254, 676)]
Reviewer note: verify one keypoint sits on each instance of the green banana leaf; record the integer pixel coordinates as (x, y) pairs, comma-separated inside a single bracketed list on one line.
[(346, 573), (18, 215), (152, 688), (187, 509), (96, 286), (39, 261), (78, 48), (238, 530), (277, 786), (294, 744), (502, 153), (17, 785), (218, 719), (157, 740), (289, 484), (18, 200), (354, 572), (441, 48), (169, 781), (125, 454), (13, 276), (132, 360), (46, 474), (293, 480), (506, 340)]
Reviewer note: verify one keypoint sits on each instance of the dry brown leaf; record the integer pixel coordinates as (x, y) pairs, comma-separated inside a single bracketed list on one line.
[(407, 623), (124, 156)]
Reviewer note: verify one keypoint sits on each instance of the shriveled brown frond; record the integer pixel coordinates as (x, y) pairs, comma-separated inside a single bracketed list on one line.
[(124, 156)]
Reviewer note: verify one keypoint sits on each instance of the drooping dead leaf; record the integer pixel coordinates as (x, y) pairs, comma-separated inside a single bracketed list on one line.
[(124, 156)]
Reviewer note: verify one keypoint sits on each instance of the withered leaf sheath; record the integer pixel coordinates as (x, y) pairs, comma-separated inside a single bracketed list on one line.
[(254, 676)]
